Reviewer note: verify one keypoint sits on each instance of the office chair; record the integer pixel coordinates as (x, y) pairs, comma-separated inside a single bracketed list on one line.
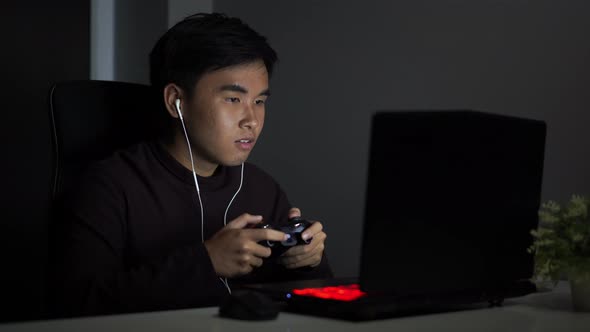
[(92, 119), (89, 120)]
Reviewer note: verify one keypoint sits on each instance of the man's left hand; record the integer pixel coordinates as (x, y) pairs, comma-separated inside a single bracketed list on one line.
[(308, 254)]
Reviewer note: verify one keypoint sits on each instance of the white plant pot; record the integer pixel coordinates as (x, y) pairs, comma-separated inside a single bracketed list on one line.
[(580, 294)]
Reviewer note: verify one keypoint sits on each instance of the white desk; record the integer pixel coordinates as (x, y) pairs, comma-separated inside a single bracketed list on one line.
[(538, 312)]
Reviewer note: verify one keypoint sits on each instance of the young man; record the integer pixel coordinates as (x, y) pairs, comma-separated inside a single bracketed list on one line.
[(168, 224)]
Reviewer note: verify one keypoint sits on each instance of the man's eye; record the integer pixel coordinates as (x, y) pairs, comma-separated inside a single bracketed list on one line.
[(233, 99), (260, 102)]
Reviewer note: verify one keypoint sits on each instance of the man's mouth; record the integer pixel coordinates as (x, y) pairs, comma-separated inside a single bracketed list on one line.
[(245, 143)]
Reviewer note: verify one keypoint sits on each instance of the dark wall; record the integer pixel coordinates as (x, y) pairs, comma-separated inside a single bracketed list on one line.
[(42, 42), (343, 60), (138, 25)]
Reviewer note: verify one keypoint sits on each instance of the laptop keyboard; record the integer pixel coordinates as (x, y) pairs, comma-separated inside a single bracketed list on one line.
[(339, 293)]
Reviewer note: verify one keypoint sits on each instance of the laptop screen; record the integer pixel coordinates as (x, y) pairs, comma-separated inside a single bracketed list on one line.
[(451, 199)]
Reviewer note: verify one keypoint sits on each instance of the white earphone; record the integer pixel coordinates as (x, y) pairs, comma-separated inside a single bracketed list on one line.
[(177, 103), (190, 152)]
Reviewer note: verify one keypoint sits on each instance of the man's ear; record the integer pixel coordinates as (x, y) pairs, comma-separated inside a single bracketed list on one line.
[(172, 92)]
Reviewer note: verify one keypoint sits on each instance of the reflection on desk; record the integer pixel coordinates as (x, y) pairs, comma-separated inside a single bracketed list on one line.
[(550, 311)]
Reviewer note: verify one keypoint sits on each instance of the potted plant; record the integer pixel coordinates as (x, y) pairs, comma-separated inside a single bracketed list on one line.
[(562, 247)]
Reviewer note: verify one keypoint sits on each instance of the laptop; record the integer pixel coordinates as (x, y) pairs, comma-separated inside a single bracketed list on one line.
[(451, 199)]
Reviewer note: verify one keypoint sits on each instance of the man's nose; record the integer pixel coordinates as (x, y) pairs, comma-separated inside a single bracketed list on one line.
[(250, 119)]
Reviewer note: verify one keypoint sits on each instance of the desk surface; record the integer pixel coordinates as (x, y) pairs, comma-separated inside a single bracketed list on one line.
[(551, 311)]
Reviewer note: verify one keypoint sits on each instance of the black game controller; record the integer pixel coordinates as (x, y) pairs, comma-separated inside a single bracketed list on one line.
[(294, 229)]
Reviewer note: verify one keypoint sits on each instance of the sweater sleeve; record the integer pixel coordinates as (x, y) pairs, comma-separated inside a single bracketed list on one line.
[(92, 274)]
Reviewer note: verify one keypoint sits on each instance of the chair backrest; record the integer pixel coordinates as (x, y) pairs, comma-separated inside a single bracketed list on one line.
[(92, 119)]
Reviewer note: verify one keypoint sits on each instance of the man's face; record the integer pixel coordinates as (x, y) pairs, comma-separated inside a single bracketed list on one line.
[(226, 114)]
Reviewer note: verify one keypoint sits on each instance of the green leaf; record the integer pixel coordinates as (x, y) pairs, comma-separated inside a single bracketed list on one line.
[(561, 243)]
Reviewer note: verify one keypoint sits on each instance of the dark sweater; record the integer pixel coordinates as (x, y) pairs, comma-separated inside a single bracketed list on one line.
[(130, 235)]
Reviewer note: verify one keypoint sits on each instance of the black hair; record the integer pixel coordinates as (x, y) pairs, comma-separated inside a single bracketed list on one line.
[(203, 43)]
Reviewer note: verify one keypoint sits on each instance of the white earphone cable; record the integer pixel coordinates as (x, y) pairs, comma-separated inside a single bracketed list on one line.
[(236, 194), (226, 283), (190, 151)]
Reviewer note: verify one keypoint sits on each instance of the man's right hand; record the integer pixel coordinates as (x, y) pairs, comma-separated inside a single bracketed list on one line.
[(234, 250)]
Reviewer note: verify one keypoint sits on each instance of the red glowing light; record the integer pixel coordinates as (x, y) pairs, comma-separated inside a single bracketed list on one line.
[(338, 293)]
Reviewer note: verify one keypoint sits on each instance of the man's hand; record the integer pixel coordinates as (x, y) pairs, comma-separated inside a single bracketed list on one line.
[(309, 254), (235, 251)]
